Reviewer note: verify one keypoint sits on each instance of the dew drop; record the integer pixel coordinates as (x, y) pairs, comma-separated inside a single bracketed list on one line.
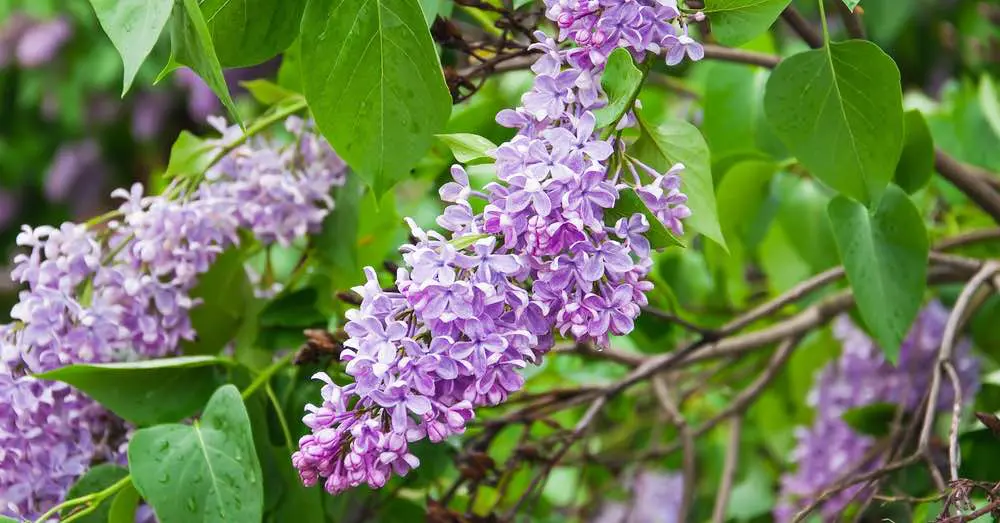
[(164, 478), (192, 505)]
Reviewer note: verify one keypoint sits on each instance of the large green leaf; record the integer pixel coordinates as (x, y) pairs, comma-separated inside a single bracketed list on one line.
[(248, 32), (622, 81), (204, 472), (885, 256), (736, 22), (374, 84), (677, 141), (802, 213), (839, 110), (95, 480), (146, 392), (916, 163), (133, 26), (989, 100), (192, 46)]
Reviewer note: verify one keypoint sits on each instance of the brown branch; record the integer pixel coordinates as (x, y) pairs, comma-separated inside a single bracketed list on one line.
[(968, 182), (687, 443), (852, 20), (947, 346), (802, 27), (978, 236), (728, 54), (728, 471)]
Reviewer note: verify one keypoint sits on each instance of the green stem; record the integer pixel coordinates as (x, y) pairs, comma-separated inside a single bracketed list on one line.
[(822, 17), (261, 124), (93, 500), (280, 412), (266, 375)]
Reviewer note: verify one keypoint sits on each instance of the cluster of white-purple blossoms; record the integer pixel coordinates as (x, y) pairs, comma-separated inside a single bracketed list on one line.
[(121, 291), (656, 498), (862, 376), (470, 311)]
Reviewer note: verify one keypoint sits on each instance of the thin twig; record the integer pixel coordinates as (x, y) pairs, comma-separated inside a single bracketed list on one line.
[(947, 346), (965, 179), (728, 470), (956, 412), (852, 21), (687, 443), (802, 27), (728, 54)]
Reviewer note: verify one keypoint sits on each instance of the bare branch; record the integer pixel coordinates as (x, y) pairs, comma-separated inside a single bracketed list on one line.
[(687, 443), (802, 27), (969, 183), (728, 470)]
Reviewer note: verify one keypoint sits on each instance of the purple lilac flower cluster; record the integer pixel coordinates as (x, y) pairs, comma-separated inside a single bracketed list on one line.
[(862, 376), (469, 312), (123, 292)]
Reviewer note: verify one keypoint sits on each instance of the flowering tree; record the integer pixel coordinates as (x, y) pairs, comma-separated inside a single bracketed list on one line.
[(484, 260)]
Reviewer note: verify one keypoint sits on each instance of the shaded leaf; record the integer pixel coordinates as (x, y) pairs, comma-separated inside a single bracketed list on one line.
[(146, 392), (191, 46), (226, 293), (95, 480), (872, 420), (124, 505), (916, 163), (248, 32), (268, 92)]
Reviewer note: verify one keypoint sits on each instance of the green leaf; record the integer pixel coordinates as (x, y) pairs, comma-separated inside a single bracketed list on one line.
[(851, 4), (95, 480), (268, 92), (628, 204), (989, 100), (732, 108), (521, 3), (677, 141), (249, 32), (802, 213), (123, 506), (466, 147), (374, 84), (622, 81), (916, 163), (204, 472), (294, 309), (225, 292), (736, 22), (336, 245), (133, 26), (189, 156), (146, 392), (872, 420), (885, 256), (434, 8), (191, 46), (839, 110), (742, 193)]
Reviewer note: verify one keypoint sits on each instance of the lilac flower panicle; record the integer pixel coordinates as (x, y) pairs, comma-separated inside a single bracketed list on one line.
[(470, 310), (124, 292), (862, 376), (656, 498)]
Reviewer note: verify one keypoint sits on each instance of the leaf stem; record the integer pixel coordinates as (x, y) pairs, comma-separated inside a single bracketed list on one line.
[(280, 413), (822, 17), (266, 375), (92, 500)]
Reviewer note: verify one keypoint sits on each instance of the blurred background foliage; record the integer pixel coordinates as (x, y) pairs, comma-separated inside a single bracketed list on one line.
[(67, 138)]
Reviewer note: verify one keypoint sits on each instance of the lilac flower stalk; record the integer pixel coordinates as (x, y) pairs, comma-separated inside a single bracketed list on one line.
[(124, 292), (862, 376), (471, 309)]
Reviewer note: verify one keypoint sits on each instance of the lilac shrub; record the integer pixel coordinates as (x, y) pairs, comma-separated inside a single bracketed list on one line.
[(862, 376), (471, 309), (122, 292)]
